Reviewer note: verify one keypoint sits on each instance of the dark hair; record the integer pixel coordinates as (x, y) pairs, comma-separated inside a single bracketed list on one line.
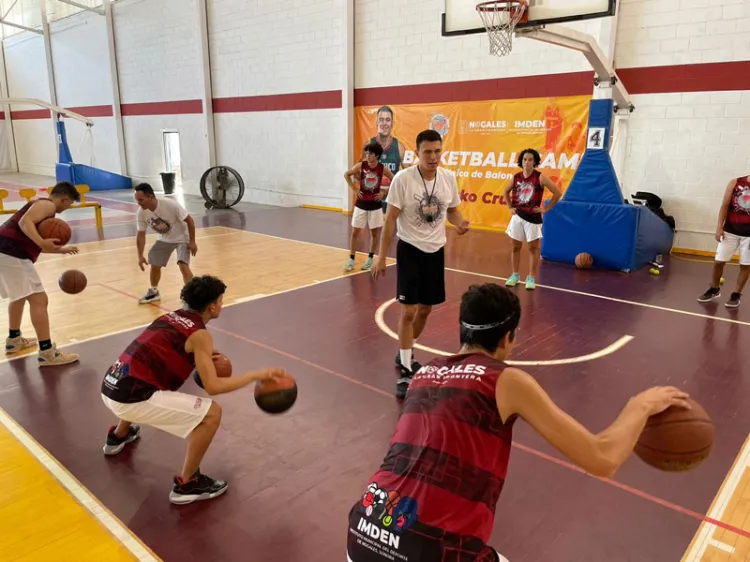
[(65, 189), (534, 153), (145, 188), (488, 313), (428, 136), (374, 148), (386, 109), (200, 292)]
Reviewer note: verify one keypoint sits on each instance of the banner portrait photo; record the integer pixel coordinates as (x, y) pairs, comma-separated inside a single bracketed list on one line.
[(481, 143)]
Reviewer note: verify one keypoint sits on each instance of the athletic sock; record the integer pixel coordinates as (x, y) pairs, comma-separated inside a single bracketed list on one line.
[(371, 255), (351, 256), (14, 334), (405, 355), (44, 345)]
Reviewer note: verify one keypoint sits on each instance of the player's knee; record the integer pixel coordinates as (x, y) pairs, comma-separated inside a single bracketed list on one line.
[(423, 311), (409, 312), (517, 245), (38, 300), (534, 247), (213, 417)]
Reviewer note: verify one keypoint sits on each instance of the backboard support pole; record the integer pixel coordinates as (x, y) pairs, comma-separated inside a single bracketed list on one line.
[(606, 76)]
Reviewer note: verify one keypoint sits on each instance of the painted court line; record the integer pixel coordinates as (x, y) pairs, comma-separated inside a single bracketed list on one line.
[(612, 299), (611, 348), (116, 528), (704, 537)]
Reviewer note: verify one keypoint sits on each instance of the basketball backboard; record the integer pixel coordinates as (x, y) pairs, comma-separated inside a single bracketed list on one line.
[(461, 18)]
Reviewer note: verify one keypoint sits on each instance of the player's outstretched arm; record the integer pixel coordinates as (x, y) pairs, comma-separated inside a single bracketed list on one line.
[(201, 344), (599, 454)]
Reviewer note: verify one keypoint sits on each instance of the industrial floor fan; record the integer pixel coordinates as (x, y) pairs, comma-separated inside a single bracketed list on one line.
[(222, 187)]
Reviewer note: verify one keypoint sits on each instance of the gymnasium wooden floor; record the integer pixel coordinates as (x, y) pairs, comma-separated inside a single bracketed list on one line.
[(592, 339)]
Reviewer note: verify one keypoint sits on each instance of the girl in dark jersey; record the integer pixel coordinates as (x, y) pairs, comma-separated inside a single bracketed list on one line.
[(142, 386), (733, 236), (523, 195), (434, 497)]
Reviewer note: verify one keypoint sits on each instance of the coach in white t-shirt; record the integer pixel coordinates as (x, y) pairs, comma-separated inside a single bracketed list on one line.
[(420, 200), (176, 230)]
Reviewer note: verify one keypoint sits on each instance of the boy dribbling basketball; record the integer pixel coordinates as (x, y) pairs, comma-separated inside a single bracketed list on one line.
[(370, 194), (435, 493), (20, 247)]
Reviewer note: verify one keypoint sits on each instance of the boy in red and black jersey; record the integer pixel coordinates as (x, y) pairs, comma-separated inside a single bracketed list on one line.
[(142, 386), (434, 496)]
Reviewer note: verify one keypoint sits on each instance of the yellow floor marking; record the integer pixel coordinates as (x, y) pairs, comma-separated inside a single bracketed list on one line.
[(46, 514)]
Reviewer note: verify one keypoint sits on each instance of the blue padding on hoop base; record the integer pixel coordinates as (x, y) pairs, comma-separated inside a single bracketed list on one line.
[(607, 232), (95, 178), (593, 217)]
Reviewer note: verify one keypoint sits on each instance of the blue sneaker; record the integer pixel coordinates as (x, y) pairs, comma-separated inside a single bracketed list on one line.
[(513, 280), (530, 283)]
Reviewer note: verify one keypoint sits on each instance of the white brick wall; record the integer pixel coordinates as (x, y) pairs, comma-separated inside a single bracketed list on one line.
[(275, 47), (279, 47), (158, 50), (668, 32), (686, 148), (82, 78), (26, 69), (400, 43), (268, 150)]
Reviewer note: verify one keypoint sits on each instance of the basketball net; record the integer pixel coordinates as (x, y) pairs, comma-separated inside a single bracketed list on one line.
[(500, 18)]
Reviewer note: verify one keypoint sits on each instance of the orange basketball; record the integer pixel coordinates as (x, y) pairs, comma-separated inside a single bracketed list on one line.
[(276, 397), (584, 261), (223, 365), (677, 439), (223, 368), (72, 281), (55, 228)]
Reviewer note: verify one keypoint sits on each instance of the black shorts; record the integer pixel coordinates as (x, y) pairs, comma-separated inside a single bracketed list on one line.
[(421, 276)]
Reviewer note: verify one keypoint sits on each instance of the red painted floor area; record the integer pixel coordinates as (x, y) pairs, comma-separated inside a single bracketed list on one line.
[(293, 478)]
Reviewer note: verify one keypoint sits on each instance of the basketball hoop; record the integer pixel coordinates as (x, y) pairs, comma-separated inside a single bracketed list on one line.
[(500, 18)]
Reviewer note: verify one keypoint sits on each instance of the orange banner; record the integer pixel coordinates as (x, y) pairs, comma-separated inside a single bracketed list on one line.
[(481, 143)]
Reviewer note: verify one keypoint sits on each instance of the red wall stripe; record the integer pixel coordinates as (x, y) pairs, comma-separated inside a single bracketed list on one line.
[(552, 85), (279, 102), (709, 77), (182, 107), (94, 110), (30, 114)]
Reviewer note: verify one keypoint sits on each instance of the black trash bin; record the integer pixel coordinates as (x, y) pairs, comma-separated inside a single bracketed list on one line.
[(167, 181)]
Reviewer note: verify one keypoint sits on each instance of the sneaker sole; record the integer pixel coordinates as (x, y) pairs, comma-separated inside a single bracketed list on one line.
[(184, 500), (113, 450), (732, 305), (57, 363)]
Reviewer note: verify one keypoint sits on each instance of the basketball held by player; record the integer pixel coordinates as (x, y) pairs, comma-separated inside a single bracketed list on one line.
[(176, 229), (367, 207), (436, 491), (20, 247), (142, 386), (733, 236), (524, 196)]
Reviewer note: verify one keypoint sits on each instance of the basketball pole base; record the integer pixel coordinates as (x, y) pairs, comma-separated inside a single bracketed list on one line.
[(606, 76)]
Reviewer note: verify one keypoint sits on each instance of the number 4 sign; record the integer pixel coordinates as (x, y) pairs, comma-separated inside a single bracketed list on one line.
[(596, 138)]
